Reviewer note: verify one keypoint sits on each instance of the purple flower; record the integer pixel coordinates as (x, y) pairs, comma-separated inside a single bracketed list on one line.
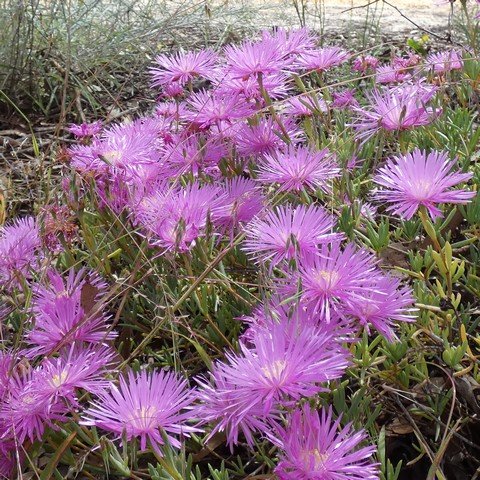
[(420, 179), (7, 459), (64, 312), (299, 167), (344, 99), (77, 367), (25, 411), (281, 368), (175, 217), (241, 201), (315, 448), (6, 368), (190, 154), (364, 63), (85, 129), (336, 279), (322, 59), (446, 61), (143, 406), (288, 233), (213, 109), (251, 59), (384, 305), (276, 85), (122, 150), (391, 74), (292, 42), (266, 137), (182, 67), (19, 246), (396, 109)]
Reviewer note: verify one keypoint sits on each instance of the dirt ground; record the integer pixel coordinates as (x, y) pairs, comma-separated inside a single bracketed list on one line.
[(337, 15)]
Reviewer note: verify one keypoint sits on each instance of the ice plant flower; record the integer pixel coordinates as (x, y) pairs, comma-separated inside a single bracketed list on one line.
[(322, 59), (281, 368), (299, 167), (85, 129), (143, 406), (395, 109), (25, 411), (174, 217), (305, 105), (383, 306), (364, 63), (420, 179), (207, 109), (19, 246), (442, 62), (344, 99), (267, 136), (315, 447), (77, 366), (289, 233), (182, 67), (63, 312), (241, 201), (254, 59), (336, 279)]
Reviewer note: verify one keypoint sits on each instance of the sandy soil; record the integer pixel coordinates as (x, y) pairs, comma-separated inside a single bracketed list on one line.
[(338, 15)]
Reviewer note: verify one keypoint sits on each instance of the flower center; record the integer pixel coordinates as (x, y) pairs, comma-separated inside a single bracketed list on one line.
[(58, 380), (328, 278), (422, 189), (274, 370), (314, 458), (144, 418)]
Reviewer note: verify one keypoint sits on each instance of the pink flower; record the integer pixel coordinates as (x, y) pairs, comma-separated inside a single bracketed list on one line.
[(322, 59), (266, 137), (182, 67), (64, 312), (420, 179), (241, 201), (364, 63), (391, 74), (251, 59), (446, 61), (344, 99), (396, 109), (289, 233), (19, 249), (316, 448), (384, 305), (208, 109), (190, 154), (299, 167), (174, 217), (85, 129), (77, 366), (281, 367), (143, 406), (336, 279), (25, 411)]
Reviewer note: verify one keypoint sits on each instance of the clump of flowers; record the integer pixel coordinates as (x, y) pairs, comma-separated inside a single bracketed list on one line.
[(225, 240)]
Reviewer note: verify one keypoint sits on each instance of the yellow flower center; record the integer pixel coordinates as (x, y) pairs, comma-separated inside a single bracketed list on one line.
[(274, 371), (318, 458), (144, 418), (329, 277), (58, 380)]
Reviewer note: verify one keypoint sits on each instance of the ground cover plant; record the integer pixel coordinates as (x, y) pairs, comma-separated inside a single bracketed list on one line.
[(273, 274)]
